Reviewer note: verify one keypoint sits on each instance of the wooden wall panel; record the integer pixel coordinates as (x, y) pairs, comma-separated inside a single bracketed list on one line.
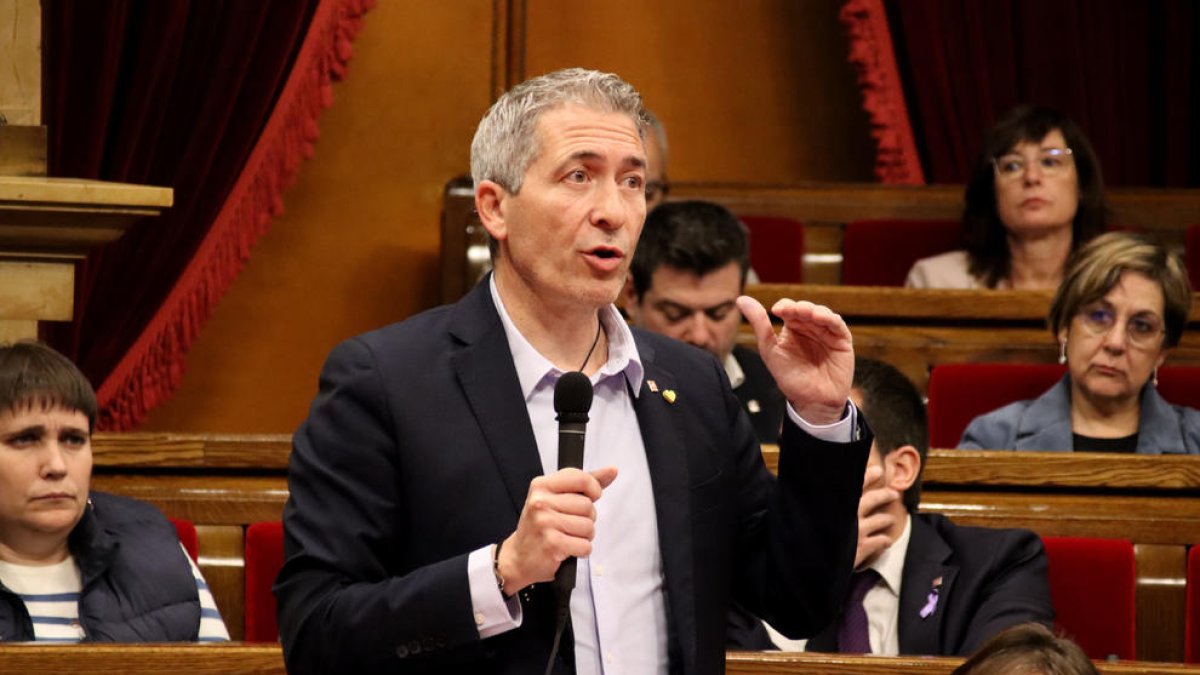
[(757, 91), (751, 92)]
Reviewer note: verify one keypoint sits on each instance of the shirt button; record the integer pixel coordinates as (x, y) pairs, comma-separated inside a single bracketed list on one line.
[(478, 618), (599, 570), (608, 658)]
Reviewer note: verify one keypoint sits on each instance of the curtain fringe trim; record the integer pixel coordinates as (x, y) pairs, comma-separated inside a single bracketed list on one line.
[(874, 59), (153, 367)]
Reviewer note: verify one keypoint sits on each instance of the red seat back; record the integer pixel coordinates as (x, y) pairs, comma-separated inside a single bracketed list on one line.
[(880, 252), (264, 558), (187, 536), (1180, 385), (776, 248), (960, 392), (1191, 648), (1092, 585)]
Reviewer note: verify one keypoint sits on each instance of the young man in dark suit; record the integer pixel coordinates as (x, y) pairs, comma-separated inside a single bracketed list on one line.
[(426, 511), (688, 271), (931, 587)]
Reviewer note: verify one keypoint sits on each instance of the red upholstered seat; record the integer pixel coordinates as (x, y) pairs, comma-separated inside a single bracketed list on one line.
[(776, 248), (1092, 586), (187, 536), (1180, 385), (264, 557), (960, 392), (880, 252), (1191, 648)]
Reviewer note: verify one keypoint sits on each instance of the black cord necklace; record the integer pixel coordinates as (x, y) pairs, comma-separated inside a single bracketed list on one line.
[(595, 342)]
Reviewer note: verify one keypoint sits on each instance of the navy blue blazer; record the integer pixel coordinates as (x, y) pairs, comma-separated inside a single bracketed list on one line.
[(1044, 423), (418, 449), (987, 580)]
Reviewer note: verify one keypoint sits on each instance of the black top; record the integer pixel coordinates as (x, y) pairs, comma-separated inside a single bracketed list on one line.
[(760, 398), (1082, 443)]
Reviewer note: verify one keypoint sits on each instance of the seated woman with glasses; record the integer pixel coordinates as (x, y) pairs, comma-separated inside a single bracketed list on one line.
[(1034, 196), (1121, 308)]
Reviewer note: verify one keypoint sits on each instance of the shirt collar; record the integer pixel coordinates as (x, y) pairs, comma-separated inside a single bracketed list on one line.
[(733, 370), (535, 370), (890, 563)]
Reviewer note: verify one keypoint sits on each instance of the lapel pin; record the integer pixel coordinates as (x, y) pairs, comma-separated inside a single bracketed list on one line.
[(931, 602), (753, 406), (653, 386), (669, 394)]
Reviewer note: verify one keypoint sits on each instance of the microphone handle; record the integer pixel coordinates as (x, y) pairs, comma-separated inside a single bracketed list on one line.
[(570, 454)]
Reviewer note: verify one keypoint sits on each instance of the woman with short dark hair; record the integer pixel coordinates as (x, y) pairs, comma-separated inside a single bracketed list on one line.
[(78, 565)]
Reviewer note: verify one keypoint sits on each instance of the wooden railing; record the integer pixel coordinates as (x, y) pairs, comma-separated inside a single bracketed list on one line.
[(768, 663), (141, 659), (915, 330), (824, 208), (1151, 501)]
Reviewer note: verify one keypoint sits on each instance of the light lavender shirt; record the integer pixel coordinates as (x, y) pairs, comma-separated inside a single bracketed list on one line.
[(618, 608)]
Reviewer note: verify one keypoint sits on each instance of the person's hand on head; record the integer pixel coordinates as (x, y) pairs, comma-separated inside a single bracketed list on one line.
[(558, 521), (811, 358)]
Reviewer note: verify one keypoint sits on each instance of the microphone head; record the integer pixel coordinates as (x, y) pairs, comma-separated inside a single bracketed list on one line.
[(573, 397)]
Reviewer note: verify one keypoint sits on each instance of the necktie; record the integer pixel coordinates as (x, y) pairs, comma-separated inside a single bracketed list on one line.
[(853, 635)]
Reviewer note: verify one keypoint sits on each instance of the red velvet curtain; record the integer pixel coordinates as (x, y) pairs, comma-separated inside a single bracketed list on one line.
[(201, 97), (1124, 71)]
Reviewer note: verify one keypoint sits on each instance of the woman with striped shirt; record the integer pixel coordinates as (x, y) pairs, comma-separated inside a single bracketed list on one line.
[(78, 565)]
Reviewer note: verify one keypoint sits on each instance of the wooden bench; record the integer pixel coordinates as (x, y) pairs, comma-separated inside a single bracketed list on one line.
[(774, 663), (220, 483), (141, 659), (916, 329), (824, 208), (223, 483)]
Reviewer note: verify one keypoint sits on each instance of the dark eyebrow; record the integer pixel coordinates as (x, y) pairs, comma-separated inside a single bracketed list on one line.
[(663, 304), (36, 429)]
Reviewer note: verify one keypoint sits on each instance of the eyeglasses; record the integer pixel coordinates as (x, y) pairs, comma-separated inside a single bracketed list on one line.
[(656, 189), (1053, 162), (1142, 330)]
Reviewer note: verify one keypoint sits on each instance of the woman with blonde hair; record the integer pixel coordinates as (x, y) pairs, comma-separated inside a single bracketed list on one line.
[(1121, 308)]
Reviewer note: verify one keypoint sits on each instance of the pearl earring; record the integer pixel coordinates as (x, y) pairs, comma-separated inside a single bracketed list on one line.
[(1062, 352)]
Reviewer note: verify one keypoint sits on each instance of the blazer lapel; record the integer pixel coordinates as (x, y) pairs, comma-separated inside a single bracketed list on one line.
[(1046, 424), (667, 460), (484, 367), (925, 569)]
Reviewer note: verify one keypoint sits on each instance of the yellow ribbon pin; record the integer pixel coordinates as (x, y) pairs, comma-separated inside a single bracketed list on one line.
[(669, 394)]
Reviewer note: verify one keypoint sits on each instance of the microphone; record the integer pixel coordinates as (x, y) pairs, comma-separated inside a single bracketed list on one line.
[(572, 401)]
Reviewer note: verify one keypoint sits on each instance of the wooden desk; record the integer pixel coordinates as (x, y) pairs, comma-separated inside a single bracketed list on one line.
[(776, 663), (916, 329), (223, 483), (219, 482), (824, 208), (141, 659)]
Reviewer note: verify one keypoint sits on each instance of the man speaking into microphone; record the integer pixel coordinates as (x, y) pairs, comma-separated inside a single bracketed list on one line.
[(428, 515)]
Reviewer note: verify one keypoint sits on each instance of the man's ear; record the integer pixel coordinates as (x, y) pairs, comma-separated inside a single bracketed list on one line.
[(904, 464), (489, 204), (629, 300)]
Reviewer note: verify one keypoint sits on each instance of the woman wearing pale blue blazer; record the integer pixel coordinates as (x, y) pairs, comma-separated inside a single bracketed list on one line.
[(1122, 306)]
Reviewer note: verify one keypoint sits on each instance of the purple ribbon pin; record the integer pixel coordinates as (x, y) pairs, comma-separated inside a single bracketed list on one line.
[(932, 600)]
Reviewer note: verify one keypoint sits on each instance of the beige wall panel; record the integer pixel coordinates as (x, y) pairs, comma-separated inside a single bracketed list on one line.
[(21, 61), (755, 91), (358, 246)]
